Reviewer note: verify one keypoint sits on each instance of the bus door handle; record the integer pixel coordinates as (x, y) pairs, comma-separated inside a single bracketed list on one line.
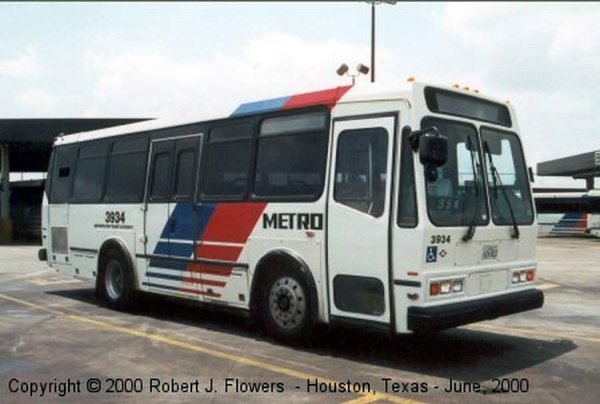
[(173, 225)]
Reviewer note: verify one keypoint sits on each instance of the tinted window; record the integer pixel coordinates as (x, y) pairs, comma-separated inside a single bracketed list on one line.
[(507, 177), (291, 158), (457, 196), (160, 171), (89, 173), (185, 168), (227, 161), (407, 197), (62, 173), (359, 294), (361, 167), (294, 123), (127, 171), (449, 102)]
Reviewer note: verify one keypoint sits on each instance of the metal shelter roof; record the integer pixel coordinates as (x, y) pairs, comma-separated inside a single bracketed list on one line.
[(30, 140), (583, 165)]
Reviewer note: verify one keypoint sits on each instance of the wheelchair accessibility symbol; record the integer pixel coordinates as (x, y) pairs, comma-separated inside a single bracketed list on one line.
[(431, 255)]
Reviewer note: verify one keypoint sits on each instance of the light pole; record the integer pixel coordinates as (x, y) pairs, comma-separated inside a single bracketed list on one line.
[(373, 3)]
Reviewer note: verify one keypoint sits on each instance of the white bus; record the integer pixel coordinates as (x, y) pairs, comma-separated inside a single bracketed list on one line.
[(408, 211)]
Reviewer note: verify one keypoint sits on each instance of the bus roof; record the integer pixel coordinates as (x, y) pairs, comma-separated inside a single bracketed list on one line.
[(328, 97)]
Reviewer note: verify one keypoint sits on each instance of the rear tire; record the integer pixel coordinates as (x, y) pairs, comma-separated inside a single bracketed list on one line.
[(285, 305), (115, 283)]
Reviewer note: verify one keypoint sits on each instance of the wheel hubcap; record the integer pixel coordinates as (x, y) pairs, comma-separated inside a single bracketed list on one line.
[(287, 303), (114, 280)]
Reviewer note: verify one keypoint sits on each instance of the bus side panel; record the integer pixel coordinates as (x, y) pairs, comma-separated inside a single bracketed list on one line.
[(92, 225), (297, 228)]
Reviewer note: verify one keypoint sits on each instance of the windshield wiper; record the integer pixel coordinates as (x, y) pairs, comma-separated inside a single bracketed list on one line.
[(498, 181), (472, 226)]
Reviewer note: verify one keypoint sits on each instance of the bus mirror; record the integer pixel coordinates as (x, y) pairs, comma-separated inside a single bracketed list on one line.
[(431, 173), (432, 145), (433, 150)]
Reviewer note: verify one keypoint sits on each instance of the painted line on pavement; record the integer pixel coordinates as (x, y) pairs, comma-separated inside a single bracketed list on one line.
[(205, 350)]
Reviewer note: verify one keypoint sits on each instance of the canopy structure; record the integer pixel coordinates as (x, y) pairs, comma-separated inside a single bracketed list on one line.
[(25, 146), (581, 166)]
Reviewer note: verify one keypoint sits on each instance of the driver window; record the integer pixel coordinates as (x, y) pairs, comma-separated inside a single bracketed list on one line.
[(361, 167)]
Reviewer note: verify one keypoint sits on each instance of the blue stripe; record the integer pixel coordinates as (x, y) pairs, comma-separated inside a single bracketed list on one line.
[(181, 250), (164, 276), (165, 264), (185, 215), (162, 248), (274, 104)]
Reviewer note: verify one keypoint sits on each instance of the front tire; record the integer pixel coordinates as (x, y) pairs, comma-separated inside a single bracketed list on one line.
[(286, 309), (115, 284)]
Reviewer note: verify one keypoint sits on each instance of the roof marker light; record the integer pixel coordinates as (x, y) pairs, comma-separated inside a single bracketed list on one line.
[(456, 85), (410, 79)]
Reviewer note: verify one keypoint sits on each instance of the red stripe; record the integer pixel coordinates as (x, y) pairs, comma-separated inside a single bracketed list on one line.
[(203, 281), (229, 223), (233, 222), (328, 97), (211, 270), (218, 252), (199, 292)]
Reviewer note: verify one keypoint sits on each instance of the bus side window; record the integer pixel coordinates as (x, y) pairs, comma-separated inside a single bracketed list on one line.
[(160, 176), (127, 170), (89, 173), (62, 169), (361, 167), (185, 168), (227, 162), (291, 156)]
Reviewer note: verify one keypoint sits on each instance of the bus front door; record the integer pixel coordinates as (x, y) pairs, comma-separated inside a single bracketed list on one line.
[(358, 220)]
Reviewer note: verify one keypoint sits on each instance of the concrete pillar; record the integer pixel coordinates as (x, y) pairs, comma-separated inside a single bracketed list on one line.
[(5, 222), (589, 183)]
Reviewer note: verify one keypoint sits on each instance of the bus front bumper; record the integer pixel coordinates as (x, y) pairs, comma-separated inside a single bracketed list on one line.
[(424, 319)]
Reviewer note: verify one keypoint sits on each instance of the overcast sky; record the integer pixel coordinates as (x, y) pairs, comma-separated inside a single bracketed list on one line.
[(191, 60)]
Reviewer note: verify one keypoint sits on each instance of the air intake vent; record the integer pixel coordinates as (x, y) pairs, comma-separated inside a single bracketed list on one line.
[(60, 243)]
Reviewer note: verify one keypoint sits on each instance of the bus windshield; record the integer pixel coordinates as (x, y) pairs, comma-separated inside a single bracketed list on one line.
[(457, 196), (509, 187)]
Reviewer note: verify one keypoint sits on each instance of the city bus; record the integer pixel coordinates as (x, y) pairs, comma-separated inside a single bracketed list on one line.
[(406, 210)]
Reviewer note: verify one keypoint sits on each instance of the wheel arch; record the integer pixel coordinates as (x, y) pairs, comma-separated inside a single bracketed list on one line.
[(119, 244), (282, 256)]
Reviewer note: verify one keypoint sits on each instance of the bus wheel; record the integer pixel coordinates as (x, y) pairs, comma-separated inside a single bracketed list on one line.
[(115, 284), (286, 306)]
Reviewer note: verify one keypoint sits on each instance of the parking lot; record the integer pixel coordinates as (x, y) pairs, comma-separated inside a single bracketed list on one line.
[(57, 343)]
